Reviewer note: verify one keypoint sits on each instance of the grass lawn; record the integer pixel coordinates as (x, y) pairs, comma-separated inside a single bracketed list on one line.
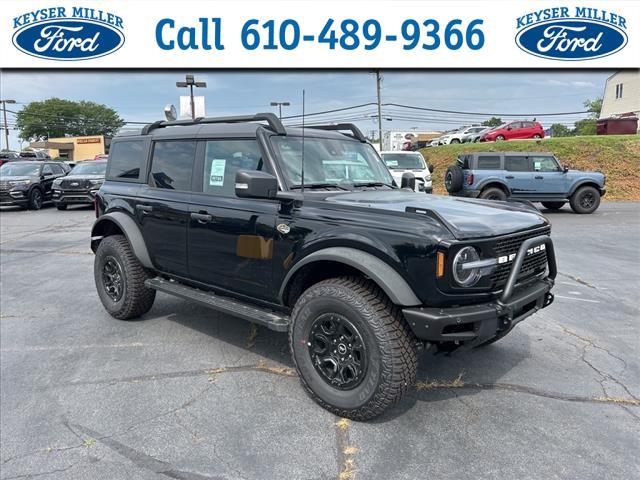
[(617, 156)]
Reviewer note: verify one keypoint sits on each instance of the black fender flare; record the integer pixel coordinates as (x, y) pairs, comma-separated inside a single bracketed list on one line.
[(130, 230), (582, 183), (484, 183), (390, 281)]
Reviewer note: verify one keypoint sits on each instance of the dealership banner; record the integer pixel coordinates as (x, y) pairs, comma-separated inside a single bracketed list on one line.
[(319, 34)]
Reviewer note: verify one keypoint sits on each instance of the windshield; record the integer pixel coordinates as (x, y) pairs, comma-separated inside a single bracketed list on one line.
[(329, 161), (404, 160), (20, 169), (89, 168)]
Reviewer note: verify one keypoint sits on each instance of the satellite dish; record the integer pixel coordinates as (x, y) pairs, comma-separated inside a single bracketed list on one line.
[(170, 113)]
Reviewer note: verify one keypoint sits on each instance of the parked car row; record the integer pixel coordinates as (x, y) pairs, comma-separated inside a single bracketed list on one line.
[(32, 183), (518, 130)]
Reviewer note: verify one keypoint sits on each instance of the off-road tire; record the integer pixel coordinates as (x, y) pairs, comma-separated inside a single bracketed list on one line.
[(136, 299), (553, 205), (390, 346), (61, 206), (578, 203), (453, 178), (35, 199), (493, 193)]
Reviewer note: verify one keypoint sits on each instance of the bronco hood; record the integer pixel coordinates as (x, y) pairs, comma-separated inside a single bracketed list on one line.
[(464, 217)]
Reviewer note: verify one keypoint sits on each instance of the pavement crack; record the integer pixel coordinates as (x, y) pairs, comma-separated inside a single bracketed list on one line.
[(345, 451), (40, 474)]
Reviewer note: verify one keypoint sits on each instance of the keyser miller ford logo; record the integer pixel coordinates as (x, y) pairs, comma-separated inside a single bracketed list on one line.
[(555, 34), (61, 33)]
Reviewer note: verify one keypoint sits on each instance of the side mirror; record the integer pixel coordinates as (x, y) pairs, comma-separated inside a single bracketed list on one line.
[(408, 181), (508, 128), (430, 167), (565, 169), (255, 184)]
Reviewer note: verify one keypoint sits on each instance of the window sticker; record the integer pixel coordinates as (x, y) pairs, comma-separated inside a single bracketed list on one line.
[(216, 177), (537, 165), (392, 163)]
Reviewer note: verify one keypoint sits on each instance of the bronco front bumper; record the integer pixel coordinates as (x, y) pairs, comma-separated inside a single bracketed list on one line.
[(472, 325)]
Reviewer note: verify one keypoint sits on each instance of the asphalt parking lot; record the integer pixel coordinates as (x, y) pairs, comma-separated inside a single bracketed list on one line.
[(187, 393)]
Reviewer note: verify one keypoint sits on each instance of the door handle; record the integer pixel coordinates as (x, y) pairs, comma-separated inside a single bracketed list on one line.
[(144, 209), (538, 177), (202, 217), (510, 177)]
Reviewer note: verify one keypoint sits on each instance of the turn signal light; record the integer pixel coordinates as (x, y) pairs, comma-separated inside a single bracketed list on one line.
[(440, 265)]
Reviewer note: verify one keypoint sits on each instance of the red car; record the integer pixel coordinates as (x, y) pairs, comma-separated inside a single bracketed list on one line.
[(514, 130)]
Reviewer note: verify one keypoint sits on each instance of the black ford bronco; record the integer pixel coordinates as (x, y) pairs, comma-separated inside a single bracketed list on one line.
[(305, 231)]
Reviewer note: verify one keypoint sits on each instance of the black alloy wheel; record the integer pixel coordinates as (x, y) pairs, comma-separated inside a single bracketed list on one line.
[(112, 279), (35, 199), (337, 351)]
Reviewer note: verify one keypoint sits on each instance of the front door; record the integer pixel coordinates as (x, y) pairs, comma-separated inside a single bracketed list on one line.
[(162, 208), (230, 238), (549, 177)]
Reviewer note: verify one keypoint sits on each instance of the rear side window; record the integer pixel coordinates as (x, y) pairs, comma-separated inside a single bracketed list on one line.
[(57, 169), (489, 162), (517, 164), (126, 160), (172, 164)]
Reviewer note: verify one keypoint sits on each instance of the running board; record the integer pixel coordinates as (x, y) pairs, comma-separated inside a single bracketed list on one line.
[(269, 318)]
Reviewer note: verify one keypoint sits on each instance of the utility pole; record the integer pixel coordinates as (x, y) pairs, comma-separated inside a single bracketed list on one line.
[(280, 105), (190, 82), (6, 125), (378, 82)]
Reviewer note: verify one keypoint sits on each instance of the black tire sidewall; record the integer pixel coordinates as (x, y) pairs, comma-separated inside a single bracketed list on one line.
[(108, 249), (454, 172), (493, 191), (342, 399), (553, 205)]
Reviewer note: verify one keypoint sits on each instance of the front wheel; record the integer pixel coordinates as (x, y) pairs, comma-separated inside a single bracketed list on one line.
[(454, 140), (120, 278), (352, 348), (35, 199), (500, 138), (585, 200)]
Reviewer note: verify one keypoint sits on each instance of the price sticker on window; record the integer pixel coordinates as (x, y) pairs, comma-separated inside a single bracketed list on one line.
[(216, 177)]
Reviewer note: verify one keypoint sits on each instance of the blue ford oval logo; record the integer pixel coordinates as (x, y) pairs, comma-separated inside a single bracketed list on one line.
[(68, 39), (571, 39)]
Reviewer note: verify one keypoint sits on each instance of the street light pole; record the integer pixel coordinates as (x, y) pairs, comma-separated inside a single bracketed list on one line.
[(190, 82), (280, 105), (6, 125)]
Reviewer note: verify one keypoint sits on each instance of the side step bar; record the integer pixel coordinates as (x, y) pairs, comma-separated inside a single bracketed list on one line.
[(270, 319)]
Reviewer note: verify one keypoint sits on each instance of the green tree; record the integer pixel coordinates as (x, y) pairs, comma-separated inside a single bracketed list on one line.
[(55, 117), (560, 130), (593, 107), (493, 122), (585, 127)]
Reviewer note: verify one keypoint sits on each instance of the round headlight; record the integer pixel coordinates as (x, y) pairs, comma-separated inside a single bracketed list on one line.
[(462, 273)]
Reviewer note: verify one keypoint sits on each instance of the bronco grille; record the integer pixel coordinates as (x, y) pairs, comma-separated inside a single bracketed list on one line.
[(532, 264)]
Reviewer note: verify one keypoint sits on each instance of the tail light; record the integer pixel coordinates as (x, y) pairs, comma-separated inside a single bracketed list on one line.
[(470, 179)]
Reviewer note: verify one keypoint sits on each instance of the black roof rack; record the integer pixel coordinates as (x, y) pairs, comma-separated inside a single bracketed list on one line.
[(274, 122), (342, 126)]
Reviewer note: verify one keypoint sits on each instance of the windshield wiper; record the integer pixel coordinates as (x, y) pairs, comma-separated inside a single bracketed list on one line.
[(373, 184), (320, 185)]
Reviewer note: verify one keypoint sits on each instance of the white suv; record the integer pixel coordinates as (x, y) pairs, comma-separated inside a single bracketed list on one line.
[(399, 162), (459, 136)]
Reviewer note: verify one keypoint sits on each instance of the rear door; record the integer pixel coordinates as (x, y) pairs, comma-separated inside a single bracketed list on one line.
[(163, 204), (230, 238), (47, 176), (518, 175)]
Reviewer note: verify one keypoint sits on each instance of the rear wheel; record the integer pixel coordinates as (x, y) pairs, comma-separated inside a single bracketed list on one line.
[(585, 200), (120, 278), (453, 179), (493, 193), (35, 199), (553, 205), (536, 136), (352, 348)]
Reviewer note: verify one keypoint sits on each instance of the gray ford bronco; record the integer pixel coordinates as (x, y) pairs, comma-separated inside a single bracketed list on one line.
[(306, 232)]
